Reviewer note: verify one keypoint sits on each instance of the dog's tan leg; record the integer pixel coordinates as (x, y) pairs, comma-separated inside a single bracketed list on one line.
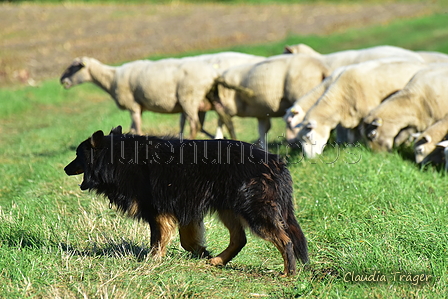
[(237, 238), (275, 233), (285, 246), (162, 230), (192, 238)]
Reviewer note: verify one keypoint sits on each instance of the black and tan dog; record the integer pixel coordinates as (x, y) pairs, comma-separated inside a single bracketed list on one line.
[(169, 183)]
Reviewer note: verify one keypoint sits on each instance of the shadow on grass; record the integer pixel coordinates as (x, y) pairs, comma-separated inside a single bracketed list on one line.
[(20, 238), (123, 249), (119, 250)]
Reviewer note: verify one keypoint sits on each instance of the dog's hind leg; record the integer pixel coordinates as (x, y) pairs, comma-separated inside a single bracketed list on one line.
[(272, 230), (192, 238), (162, 230), (237, 238)]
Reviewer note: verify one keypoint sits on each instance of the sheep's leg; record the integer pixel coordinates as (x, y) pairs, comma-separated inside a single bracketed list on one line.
[(182, 123), (201, 115), (219, 134), (264, 124), (224, 118), (195, 125), (136, 117)]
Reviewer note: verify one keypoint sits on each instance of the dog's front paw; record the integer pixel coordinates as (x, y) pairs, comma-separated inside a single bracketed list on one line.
[(216, 261)]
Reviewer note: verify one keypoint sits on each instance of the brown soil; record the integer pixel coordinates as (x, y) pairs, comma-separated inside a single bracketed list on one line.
[(39, 41)]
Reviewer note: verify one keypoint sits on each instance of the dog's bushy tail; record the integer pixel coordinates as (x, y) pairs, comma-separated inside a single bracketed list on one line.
[(297, 237), (291, 226)]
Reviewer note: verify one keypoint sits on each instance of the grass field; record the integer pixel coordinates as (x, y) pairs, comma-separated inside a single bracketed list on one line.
[(375, 217)]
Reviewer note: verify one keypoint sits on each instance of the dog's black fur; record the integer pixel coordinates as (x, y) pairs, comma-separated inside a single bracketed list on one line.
[(169, 182)]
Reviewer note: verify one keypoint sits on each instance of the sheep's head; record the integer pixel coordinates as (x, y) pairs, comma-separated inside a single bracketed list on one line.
[(313, 138), (427, 151), (292, 118), (442, 146), (378, 135), (75, 74), (423, 147)]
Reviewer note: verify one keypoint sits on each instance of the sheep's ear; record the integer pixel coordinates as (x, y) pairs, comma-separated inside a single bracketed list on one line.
[(378, 122), (297, 110), (426, 139), (311, 125), (416, 135), (288, 50), (97, 139), (443, 143), (117, 131), (82, 61)]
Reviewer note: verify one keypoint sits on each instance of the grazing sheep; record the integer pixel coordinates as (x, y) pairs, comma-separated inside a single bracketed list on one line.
[(443, 145), (346, 57), (222, 61), (357, 90), (426, 147), (422, 102), (295, 114), (164, 86), (266, 89), (337, 62)]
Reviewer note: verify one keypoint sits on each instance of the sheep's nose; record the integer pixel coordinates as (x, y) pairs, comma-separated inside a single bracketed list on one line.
[(66, 82)]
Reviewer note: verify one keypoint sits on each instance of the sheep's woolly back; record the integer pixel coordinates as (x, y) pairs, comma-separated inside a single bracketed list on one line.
[(360, 88), (281, 78), (418, 105), (302, 49), (338, 59)]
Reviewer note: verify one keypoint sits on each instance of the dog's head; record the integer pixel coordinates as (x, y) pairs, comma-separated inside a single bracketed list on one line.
[(86, 153)]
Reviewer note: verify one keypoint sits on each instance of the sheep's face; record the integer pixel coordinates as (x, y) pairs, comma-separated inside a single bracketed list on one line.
[(422, 148), (75, 74), (430, 152), (379, 136), (313, 138), (293, 118)]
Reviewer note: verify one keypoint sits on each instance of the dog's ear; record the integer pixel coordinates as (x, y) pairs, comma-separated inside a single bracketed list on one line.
[(97, 139), (117, 131)]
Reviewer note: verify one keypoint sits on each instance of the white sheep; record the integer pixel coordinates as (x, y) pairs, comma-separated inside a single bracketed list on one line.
[(266, 89), (357, 90), (346, 57), (164, 86), (294, 115), (222, 61), (427, 56), (433, 56), (426, 146), (336, 62), (444, 145), (422, 102)]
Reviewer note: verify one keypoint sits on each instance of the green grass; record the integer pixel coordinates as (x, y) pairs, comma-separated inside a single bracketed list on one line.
[(206, 1), (363, 213)]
